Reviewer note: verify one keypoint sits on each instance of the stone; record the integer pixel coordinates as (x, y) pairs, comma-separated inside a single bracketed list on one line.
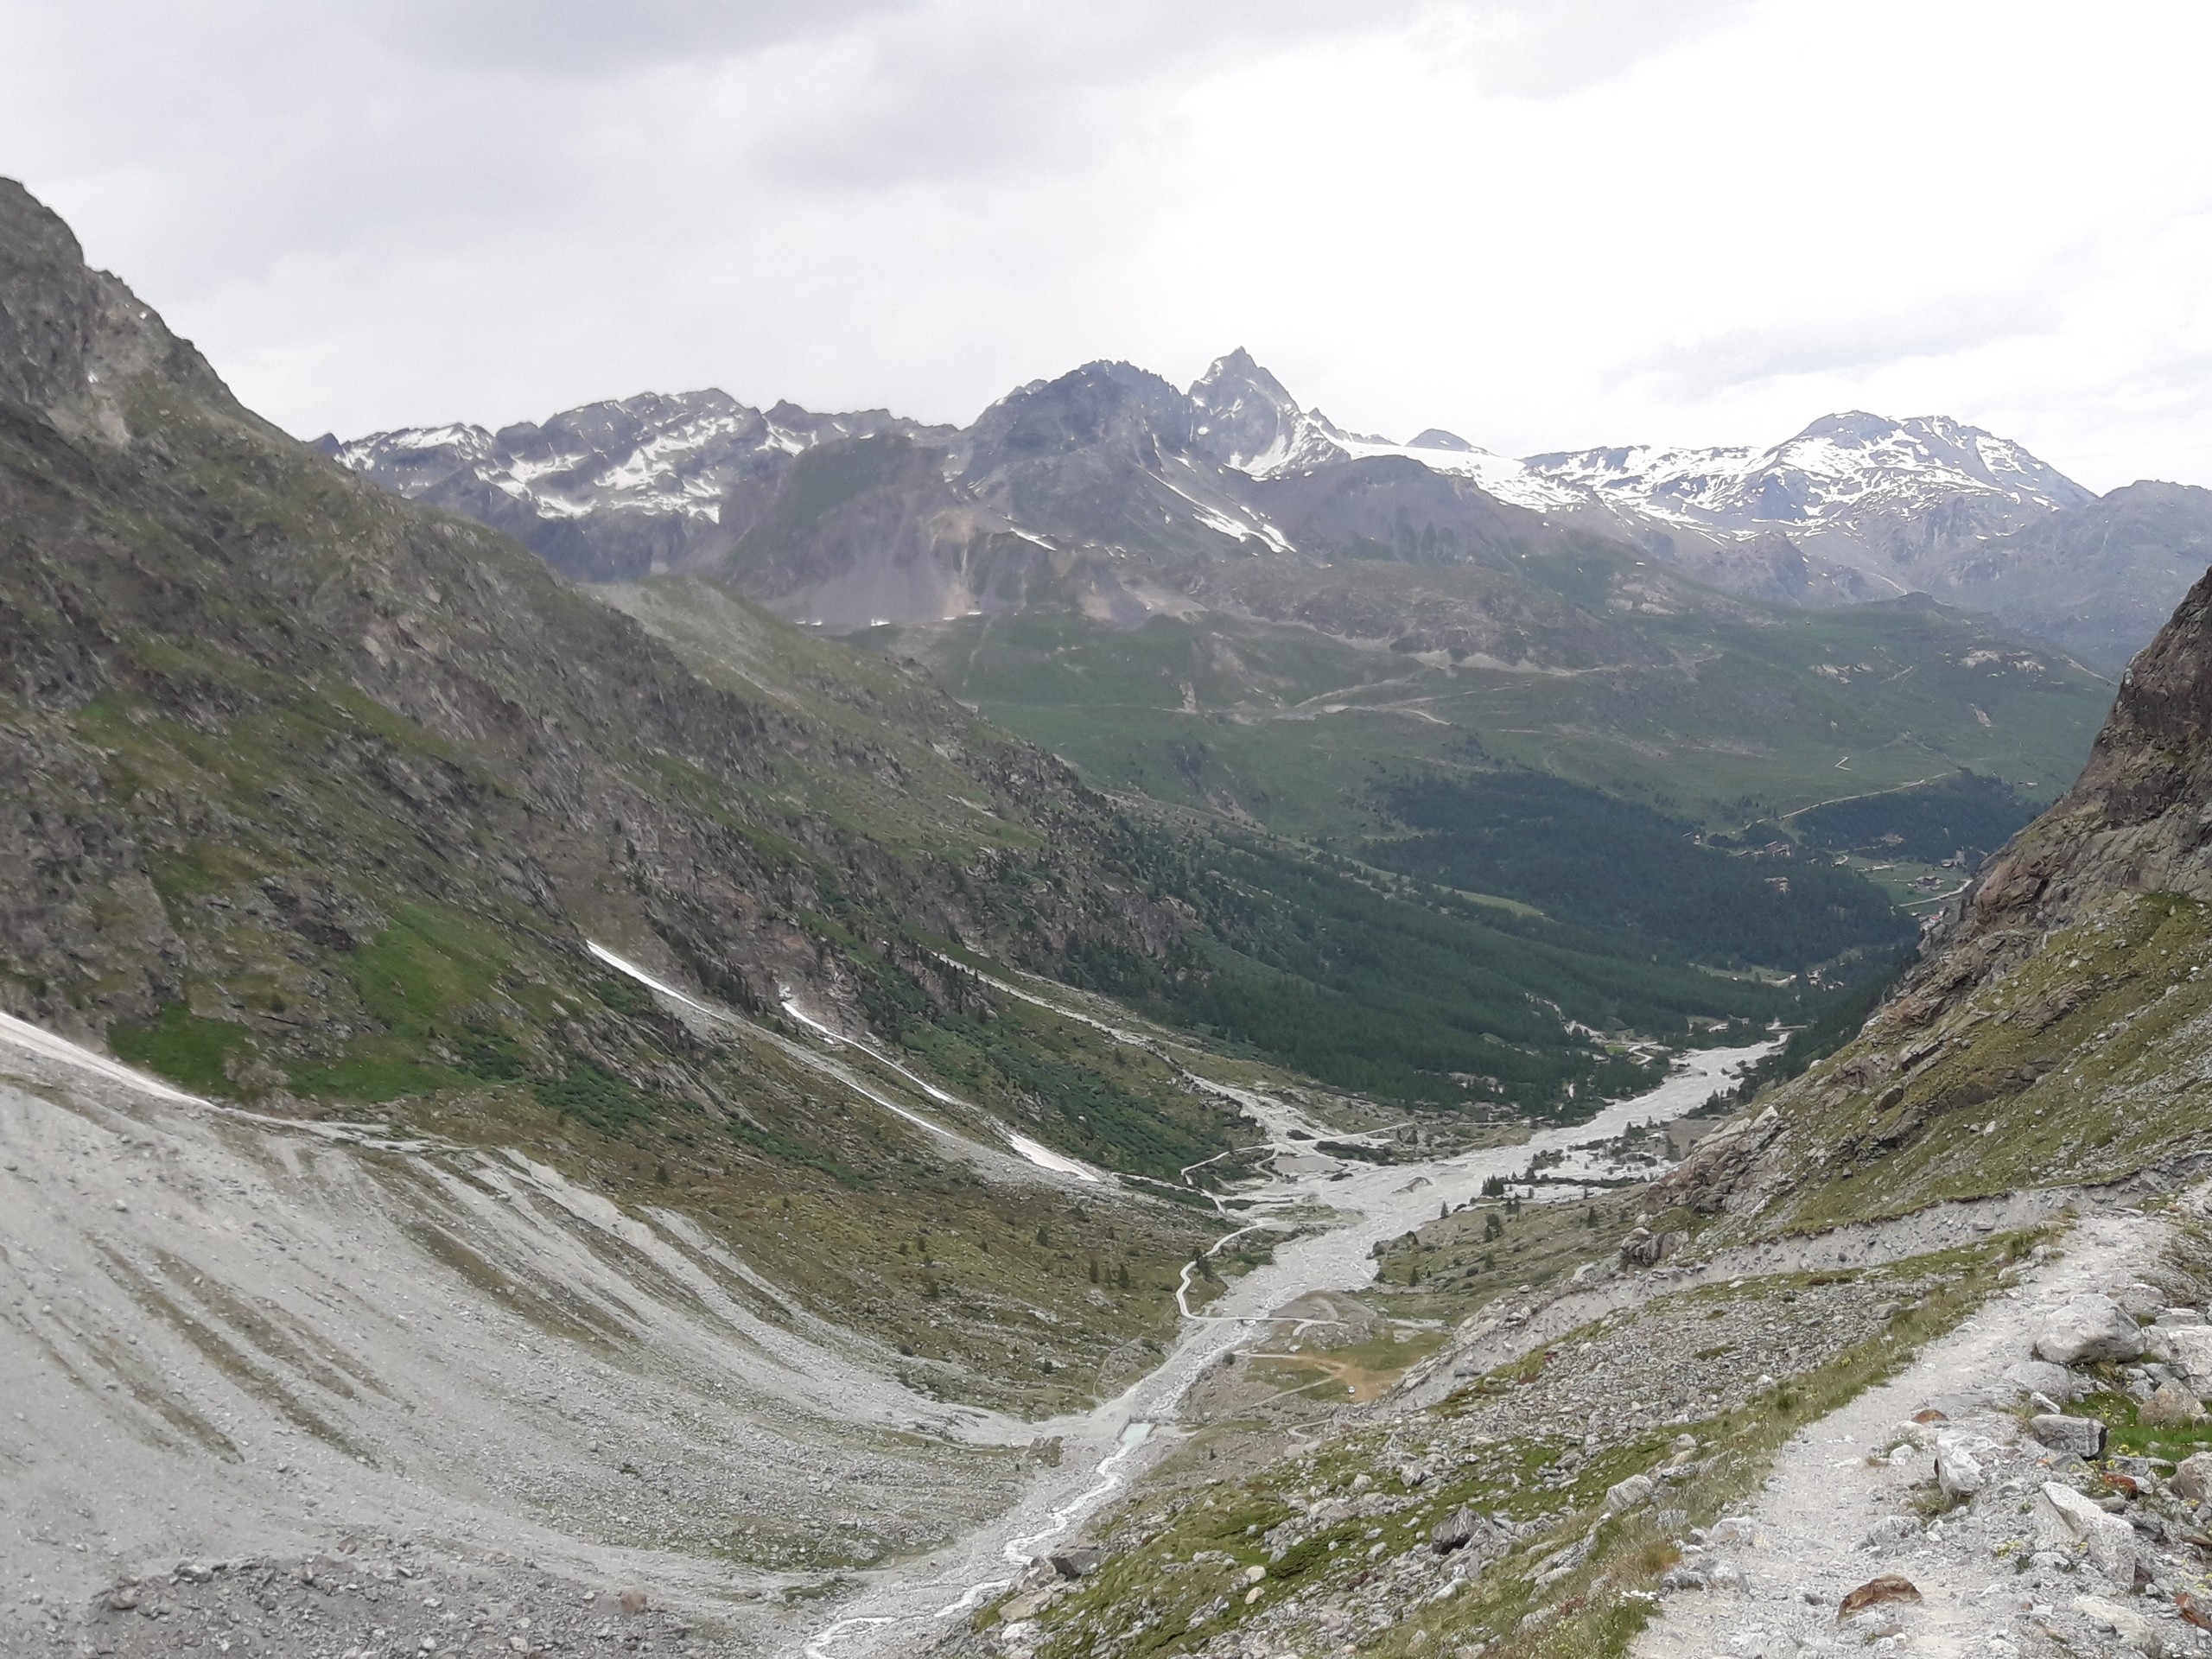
[(2074, 1437), (2170, 1403), (2131, 1627), (1958, 1472), (1627, 1494), (1455, 1531), (123, 1597), (1254, 1572), (1885, 1587), (1077, 1560), (2041, 1377), (1889, 1530), (2084, 1332), (2111, 1541), (2192, 1478), (2191, 1347)]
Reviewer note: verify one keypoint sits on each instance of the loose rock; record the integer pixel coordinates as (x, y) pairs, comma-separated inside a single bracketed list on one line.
[(2130, 1627), (2091, 1329), (1626, 1495), (2170, 1403), (2078, 1437)]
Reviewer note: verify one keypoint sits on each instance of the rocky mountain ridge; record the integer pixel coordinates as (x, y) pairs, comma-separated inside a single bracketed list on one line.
[(1037, 502)]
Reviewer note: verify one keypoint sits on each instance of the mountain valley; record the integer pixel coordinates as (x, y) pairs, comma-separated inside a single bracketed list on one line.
[(1148, 1026)]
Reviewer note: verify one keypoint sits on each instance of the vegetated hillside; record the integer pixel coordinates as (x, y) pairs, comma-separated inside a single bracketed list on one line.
[(1965, 816), (2058, 1028), (1391, 987), (326, 793), (1613, 866), (317, 797), (1297, 691), (2097, 577)]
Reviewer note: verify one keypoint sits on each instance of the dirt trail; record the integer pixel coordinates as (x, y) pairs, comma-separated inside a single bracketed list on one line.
[(1810, 1524)]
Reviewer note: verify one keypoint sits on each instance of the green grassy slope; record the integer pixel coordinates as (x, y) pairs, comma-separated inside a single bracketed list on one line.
[(1290, 700)]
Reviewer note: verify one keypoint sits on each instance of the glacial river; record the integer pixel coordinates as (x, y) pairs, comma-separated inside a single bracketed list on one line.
[(903, 1608)]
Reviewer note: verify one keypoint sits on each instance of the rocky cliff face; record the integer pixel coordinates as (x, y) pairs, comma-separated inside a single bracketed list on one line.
[(2058, 1024)]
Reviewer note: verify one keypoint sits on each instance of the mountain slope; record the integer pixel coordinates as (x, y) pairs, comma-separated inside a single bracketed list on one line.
[(321, 801), (611, 490), (1083, 489), (2096, 577), (2058, 1026)]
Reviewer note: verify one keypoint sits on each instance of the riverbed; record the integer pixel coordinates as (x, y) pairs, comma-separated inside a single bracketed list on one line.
[(902, 1609)]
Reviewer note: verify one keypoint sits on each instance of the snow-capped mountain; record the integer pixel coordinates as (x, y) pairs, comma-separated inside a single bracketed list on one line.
[(1890, 491), (1115, 474), (615, 488), (1245, 419)]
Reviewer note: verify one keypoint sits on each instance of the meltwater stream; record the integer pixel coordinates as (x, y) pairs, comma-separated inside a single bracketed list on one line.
[(904, 1607)]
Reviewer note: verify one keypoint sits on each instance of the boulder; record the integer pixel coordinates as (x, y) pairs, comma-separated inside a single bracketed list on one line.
[(2170, 1403), (2068, 1514), (2041, 1377), (2193, 1479), (1644, 1249), (1455, 1531), (1958, 1472), (1077, 1560), (2191, 1347), (2084, 1332), (2074, 1437), (1628, 1494)]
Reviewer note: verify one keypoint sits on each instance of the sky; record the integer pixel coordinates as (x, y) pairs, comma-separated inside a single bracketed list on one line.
[(1541, 224)]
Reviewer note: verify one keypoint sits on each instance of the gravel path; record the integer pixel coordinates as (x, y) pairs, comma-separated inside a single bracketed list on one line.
[(1802, 1544)]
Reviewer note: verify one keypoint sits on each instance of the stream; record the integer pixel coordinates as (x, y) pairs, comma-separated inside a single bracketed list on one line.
[(903, 1608)]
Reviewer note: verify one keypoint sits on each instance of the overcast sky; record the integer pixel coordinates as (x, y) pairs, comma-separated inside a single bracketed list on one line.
[(1540, 223)]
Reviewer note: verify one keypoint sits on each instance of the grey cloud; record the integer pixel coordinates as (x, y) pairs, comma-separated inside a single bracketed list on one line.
[(593, 38), (1552, 48), (1747, 357)]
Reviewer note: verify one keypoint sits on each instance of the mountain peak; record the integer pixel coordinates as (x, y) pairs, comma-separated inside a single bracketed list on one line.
[(71, 337), (1246, 418)]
